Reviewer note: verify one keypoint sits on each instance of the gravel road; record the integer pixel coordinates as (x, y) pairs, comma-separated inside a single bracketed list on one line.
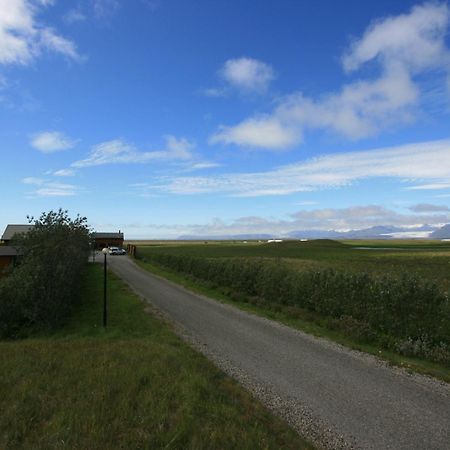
[(337, 397)]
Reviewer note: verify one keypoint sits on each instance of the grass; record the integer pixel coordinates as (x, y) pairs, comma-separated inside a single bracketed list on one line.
[(133, 385), (428, 259), (301, 320)]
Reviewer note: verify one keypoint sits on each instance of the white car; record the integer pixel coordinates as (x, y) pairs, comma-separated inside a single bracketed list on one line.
[(117, 251)]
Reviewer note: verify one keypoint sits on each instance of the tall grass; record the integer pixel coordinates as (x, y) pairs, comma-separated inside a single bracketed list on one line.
[(401, 313)]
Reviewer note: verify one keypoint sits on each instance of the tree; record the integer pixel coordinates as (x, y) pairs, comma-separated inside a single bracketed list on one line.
[(41, 291)]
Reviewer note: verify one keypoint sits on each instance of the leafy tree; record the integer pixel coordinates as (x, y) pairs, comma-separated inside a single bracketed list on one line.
[(42, 289)]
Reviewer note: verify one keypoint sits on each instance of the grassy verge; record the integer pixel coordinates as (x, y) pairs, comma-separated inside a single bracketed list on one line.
[(308, 323), (134, 385)]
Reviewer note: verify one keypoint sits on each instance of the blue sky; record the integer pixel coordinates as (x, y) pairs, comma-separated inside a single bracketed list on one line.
[(171, 117)]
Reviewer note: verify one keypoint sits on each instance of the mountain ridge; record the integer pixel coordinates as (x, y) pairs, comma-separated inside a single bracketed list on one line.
[(425, 231)]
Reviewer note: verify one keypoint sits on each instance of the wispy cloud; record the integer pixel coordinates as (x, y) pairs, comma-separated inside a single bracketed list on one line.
[(404, 47), (74, 16), (15, 97), (429, 186), (23, 38), (56, 190), (105, 9), (64, 173), (51, 141), (215, 92), (204, 165), (46, 188), (33, 180), (411, 164), (118, 151)]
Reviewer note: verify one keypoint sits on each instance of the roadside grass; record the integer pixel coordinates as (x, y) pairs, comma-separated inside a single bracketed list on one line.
[(133, 385), (299, 319)]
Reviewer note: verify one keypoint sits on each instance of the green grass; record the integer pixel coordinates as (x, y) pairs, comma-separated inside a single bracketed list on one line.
[(133, 385), (299, 319), (427, 259)]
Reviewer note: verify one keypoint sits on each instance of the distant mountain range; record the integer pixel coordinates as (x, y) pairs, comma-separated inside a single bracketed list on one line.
[(441, 233), (376, 232)]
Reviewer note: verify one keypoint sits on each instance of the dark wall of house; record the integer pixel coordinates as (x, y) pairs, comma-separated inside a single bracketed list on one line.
[(5, 261), (102, 243)]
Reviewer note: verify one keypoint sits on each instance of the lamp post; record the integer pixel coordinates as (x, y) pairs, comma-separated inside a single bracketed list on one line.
[(105, 252)]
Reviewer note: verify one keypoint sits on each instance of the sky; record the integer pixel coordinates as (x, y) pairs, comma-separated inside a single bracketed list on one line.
[(164, 118)]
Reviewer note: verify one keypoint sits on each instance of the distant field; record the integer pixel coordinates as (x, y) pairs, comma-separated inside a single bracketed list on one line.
[(430, 260)]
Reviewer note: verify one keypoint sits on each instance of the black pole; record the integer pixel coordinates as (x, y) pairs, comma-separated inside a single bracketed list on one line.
[(104, 294)]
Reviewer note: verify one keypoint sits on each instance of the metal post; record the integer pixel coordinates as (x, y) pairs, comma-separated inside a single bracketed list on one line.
[(104, 294)]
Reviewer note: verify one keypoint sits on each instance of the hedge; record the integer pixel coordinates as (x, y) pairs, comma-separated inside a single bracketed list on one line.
[(405, 308)]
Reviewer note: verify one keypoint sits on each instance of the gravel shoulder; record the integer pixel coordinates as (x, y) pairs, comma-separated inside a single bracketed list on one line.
[(336, 397)]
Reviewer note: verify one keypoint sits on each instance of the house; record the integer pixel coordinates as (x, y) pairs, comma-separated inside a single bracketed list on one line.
[(12, 230), (8, 256), (103, 240)]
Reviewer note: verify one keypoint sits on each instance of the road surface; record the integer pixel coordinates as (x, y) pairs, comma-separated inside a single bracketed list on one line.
[(337, 397)]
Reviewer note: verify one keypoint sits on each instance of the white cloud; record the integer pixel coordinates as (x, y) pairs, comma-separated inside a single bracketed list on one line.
[(177, 148), (119, 151), (403, 47), (263, 132), (306, 203), (204, 165), (22, 38), (247, 74), (411, 164), (430, 186), (56, 190), (64, 173), (51, 141), (45, 188), (415, 40)]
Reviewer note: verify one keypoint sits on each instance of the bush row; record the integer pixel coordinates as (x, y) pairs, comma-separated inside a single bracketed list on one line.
[(41, 290), (405, 308)]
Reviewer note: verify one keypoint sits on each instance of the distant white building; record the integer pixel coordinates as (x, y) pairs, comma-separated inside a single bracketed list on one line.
[(275, 240)]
